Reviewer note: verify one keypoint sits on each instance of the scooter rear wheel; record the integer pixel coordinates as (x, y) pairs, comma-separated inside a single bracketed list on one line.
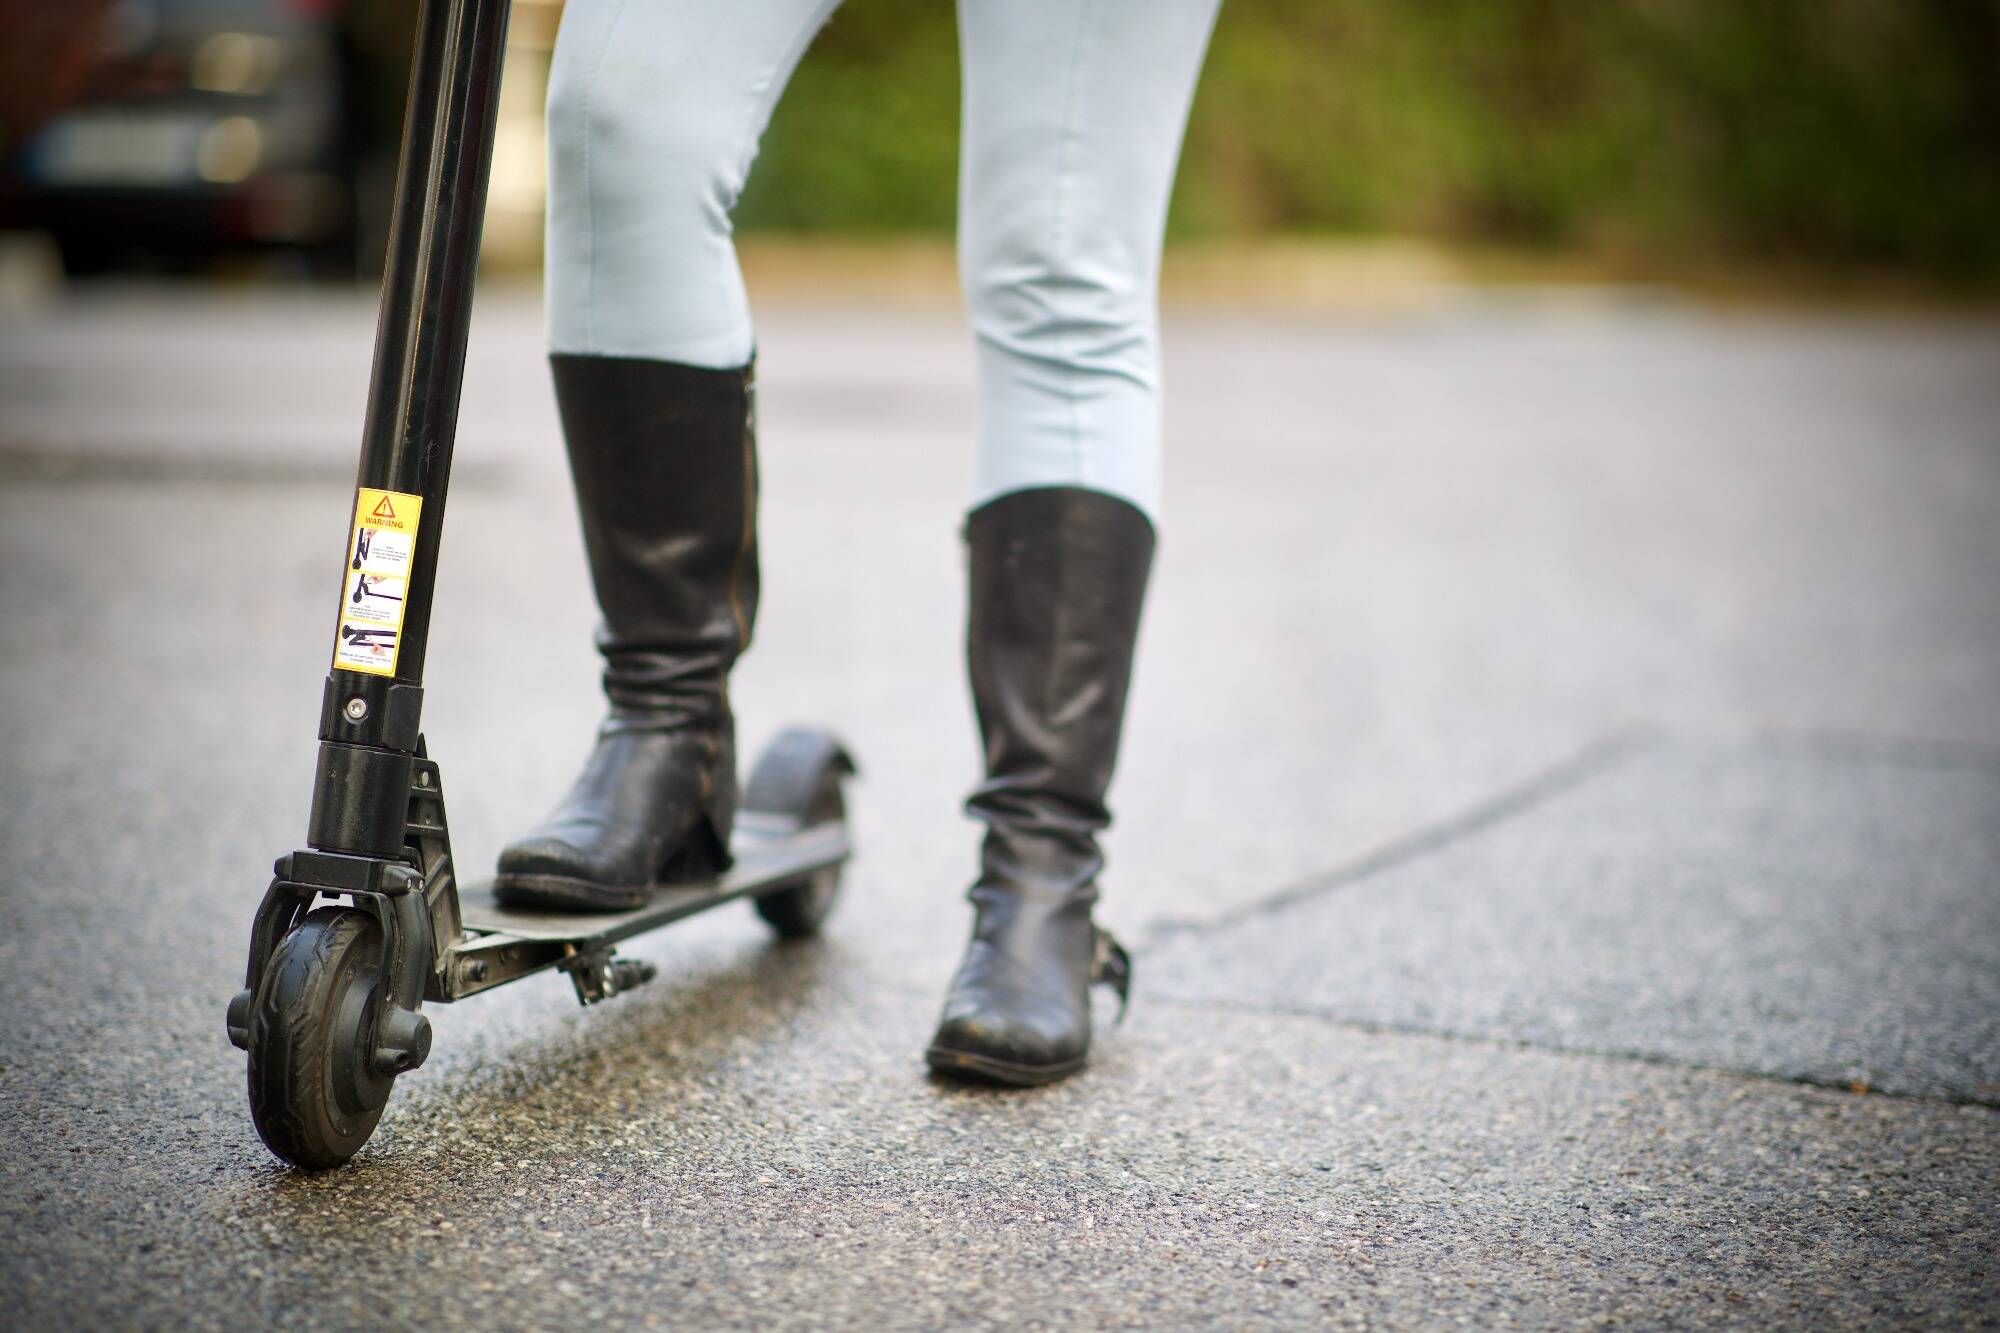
[(315, 1094), (799, 778)]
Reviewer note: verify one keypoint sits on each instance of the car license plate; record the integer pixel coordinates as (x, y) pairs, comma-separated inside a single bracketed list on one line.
[(124, 148)]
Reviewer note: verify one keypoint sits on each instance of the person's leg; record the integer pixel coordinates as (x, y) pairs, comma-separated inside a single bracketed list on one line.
[(655, 109), (1073, 115), (1074, 111)]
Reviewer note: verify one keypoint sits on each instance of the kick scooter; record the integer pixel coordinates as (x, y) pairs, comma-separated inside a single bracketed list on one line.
[(366, 923)]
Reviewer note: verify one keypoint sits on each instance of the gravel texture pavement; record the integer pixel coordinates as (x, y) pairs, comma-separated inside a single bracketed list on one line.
[(1564, 758)]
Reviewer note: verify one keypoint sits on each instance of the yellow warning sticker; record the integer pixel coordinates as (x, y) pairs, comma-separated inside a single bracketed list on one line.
[(381, 550)]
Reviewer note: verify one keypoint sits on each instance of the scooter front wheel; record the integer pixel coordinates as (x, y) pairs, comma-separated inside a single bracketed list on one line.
[(315, 1093)]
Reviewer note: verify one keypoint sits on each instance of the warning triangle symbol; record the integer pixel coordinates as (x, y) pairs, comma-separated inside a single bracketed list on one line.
[(383, 510)]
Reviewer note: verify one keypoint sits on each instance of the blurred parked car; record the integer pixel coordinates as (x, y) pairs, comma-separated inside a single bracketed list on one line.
[(212, 127)]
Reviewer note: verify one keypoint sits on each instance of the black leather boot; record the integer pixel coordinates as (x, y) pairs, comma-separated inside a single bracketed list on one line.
[(664, 459), (1058, 576)]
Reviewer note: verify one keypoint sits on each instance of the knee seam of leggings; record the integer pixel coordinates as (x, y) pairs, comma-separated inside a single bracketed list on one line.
[(1059, 240), (589, 200)]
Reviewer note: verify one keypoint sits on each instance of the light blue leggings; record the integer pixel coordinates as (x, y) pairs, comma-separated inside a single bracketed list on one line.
[(1072, 122)]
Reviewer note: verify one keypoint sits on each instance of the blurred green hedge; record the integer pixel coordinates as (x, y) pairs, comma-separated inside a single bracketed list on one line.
[(1836, 132)]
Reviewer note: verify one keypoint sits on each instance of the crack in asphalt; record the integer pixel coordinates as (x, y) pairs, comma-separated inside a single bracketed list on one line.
[(1594, 759), (1377, 1027)]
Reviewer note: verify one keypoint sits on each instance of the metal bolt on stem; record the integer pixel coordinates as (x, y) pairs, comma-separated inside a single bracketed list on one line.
[(356, 709)]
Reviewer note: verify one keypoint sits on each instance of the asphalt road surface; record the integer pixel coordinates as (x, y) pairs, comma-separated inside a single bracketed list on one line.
[(1559, 833)]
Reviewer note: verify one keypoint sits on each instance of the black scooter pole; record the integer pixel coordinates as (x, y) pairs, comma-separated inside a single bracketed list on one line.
[(377, 833), (368, 725)]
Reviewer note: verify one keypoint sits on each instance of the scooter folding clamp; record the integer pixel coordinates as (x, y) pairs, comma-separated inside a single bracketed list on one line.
[(598, 974)]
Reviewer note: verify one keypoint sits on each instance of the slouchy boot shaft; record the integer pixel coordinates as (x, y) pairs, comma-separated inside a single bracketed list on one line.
[(665, 465), (1057, 580), (664, 461)]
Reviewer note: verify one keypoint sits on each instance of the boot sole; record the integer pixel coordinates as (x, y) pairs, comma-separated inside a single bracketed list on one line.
[(985, 1069), (561, 893)]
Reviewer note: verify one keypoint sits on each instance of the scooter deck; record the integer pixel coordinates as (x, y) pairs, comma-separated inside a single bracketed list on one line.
[(502, 944), (767, 855)]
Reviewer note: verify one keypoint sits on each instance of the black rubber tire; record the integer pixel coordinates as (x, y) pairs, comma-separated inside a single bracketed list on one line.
[(314, 1094), (800, 777)]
